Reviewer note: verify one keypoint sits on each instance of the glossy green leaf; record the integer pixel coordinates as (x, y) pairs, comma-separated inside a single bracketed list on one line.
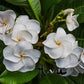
[(36, 7), (80, 11), (47, 4), (17, 77), (77, 80), (52, 79), (18, 2), (1, 56), (79, 34)]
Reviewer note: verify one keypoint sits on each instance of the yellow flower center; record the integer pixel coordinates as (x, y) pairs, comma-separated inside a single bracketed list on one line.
[(4, 23), (58, 43), (83, 54), (19, 39), (21, 56)]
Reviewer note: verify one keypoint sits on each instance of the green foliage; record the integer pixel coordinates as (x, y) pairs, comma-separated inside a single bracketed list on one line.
[(17, 2), (52, 79), (80, 11), (76, 80), (17, 77), (32, 7), (47, 4), (36, 7), (1, 56)]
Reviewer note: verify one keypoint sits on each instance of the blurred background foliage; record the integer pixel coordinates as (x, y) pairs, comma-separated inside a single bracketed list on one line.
[(44, 11)]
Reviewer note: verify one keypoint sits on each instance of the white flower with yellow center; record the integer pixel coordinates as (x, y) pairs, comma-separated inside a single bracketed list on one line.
[(71, 22), (59, 44), (7, 20), (21, 57), (24, 29)]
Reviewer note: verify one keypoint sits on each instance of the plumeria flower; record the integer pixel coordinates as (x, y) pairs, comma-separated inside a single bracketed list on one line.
[(71, 22), (68, 11), (24, 29), (59, 44), (19, 33), (21, 58), (71, 61), (7, 19)]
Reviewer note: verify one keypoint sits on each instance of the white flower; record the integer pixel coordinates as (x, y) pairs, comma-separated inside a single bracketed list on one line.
[(24, 29), (21, 58), (68, 11), (82, 56), (72, 60), (59, 44), (19, 33), (71, 22), (7, 19)]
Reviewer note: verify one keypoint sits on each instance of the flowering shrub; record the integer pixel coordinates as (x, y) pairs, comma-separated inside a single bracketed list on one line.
[(42, 42)]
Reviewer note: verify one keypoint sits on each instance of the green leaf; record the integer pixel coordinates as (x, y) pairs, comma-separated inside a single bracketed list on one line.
[(36, 7), (17, 77), (18, 2), (80, 11), (79, 34), (1, 56), (3, 8), (77, 80), (47, 4), (52, 79)]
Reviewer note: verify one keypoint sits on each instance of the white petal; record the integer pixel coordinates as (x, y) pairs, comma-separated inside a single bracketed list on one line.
[(11, 66), (54, 53), (9, 22), (8, 53), (68, 11), (67, 48), (29, 65), (74, 73), (80, 70), (7, 40), (16, 31), (1, 37), (77, 51), (68, 62), (22, 19), (18, 27), (33, 25), (22, 35), (82, 56), (50, 41), (34, 38), (11, 12), (60, 33), (22, 46), (33, 53)]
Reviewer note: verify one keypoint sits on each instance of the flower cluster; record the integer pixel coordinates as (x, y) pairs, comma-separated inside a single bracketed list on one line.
[(62, 47), (19, 34)]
